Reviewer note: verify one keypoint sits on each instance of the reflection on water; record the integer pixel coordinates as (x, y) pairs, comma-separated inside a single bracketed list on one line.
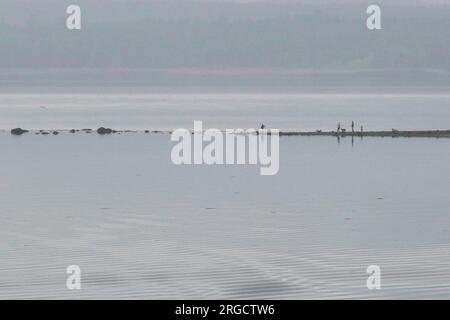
[(140, 227)]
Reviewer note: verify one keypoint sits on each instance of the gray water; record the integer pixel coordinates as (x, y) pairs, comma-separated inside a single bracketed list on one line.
[(140, 227), (157, 109)]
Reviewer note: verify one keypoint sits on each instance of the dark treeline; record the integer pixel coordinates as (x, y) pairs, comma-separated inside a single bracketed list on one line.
[(140, 34)]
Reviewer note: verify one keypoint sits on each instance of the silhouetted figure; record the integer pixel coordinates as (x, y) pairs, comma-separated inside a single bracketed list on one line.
[(338, 127), (353, 127), (362, 130), (263, 126)]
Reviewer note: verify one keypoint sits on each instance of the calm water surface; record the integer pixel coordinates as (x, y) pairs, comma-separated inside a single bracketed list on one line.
[(140, 227), (167, 110)]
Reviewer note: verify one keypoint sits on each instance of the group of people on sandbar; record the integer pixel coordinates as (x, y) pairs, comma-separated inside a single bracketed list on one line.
[(342, 130)]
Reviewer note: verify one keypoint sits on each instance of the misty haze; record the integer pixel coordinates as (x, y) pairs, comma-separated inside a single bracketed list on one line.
[(94, 206)]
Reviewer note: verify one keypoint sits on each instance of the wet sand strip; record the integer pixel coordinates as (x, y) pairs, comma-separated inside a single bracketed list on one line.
[(392, 133), (382, 134)]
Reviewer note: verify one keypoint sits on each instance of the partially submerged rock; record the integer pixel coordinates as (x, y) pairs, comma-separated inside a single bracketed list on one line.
[(18, 131), (103, 130)]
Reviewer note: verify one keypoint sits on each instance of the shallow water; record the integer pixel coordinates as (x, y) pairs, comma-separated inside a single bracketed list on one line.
[(141, 227), (158, 109)]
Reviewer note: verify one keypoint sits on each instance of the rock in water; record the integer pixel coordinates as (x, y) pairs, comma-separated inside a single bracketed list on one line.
[(18, 131), (103, 130)]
